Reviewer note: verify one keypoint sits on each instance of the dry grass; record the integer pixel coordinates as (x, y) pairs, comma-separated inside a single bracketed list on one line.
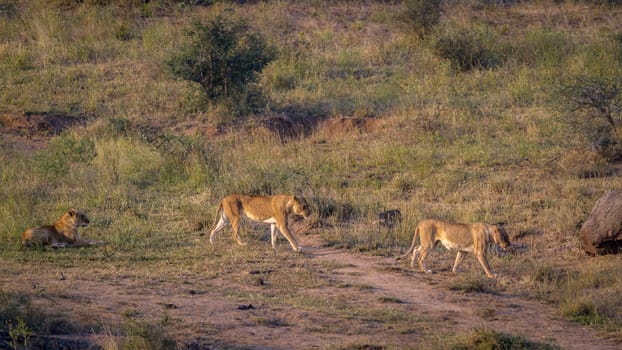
[(481, 145)]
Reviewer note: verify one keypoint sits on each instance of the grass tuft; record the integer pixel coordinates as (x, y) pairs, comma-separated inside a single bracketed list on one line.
[(483, 338)]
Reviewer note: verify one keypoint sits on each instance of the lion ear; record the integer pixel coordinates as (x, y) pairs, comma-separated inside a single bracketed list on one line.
[(72, 212)]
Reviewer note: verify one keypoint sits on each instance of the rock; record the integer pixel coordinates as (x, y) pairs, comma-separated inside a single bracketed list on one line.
[(601, 233)]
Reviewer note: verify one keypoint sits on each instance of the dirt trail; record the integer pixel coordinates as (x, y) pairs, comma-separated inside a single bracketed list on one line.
[(512, 314), (206, 318)]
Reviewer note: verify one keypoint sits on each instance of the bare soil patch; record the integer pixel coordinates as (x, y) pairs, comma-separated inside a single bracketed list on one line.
[(369, 302), (32, 130)]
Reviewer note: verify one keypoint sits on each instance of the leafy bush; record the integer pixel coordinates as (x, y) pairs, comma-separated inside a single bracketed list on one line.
[(593, 105), (223, 56), (468, 48), (421, 15)]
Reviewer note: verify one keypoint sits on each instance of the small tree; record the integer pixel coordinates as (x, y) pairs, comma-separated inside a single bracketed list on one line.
[(594, 106), (222, 56)]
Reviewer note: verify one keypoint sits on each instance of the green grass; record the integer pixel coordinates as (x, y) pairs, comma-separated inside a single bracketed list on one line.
[(482, 338), (483, 144)]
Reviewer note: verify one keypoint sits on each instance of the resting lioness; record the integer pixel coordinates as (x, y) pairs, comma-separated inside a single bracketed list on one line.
[(463, 237), (272, 210), (64, 232)]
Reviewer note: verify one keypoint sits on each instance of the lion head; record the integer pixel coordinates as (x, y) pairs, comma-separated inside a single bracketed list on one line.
[(301, 207), (500, 236), (75, 218)]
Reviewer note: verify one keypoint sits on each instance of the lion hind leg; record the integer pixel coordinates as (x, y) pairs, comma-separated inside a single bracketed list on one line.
[(222, 222), (459, 257), (422, 257), (90, 242), (416, 251)]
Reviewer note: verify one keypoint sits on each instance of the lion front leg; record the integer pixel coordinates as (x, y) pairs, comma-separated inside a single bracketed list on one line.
[(484, 262), (292, 241), (422, 264), (235, 224)]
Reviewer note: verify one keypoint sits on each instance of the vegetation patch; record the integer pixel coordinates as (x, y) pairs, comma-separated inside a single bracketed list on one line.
[(144, 114), (483, 338)]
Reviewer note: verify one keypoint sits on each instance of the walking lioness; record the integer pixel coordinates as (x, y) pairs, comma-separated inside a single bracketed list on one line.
[(64, 232), (463, 237), (272, 210)]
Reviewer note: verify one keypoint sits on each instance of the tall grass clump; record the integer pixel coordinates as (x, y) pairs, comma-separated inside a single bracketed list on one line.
[(469, 48), (56, 160), (484, 338), (22, 320), (541, 47), (141, 335), (586, 295)]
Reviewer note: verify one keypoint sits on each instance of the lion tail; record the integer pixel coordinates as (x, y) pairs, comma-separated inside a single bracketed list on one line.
[(412, 245), (217, 218)]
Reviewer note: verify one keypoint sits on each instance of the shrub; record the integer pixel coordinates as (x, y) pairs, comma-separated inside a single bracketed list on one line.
[(484, 338), (468, 48), (421, 15), (593, 105), (223, 56)]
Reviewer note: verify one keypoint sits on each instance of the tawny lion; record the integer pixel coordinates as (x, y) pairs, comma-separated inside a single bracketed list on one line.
[(273, 210), (64, 232), (464, 238)]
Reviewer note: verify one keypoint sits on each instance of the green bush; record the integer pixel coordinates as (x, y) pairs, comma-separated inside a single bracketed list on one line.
[(223, 56), (469, 48), (593, 105), (421, 15)]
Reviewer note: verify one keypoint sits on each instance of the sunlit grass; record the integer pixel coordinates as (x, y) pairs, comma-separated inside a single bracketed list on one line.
[(483, 144)]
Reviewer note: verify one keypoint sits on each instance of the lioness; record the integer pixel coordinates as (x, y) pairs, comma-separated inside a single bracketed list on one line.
[(64, 232), (463, 237), (272, 210)]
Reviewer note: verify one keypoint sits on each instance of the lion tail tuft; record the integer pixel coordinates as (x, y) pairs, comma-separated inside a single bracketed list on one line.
[(217, 218)]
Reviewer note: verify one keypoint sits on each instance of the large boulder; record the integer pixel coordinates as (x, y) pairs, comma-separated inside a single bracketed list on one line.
[(601, 233)]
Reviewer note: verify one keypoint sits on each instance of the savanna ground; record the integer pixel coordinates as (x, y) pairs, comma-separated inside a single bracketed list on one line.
[(361, 110)]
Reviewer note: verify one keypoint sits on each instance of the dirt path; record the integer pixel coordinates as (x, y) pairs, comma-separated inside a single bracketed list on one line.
[(504, 313), (204, 315)]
